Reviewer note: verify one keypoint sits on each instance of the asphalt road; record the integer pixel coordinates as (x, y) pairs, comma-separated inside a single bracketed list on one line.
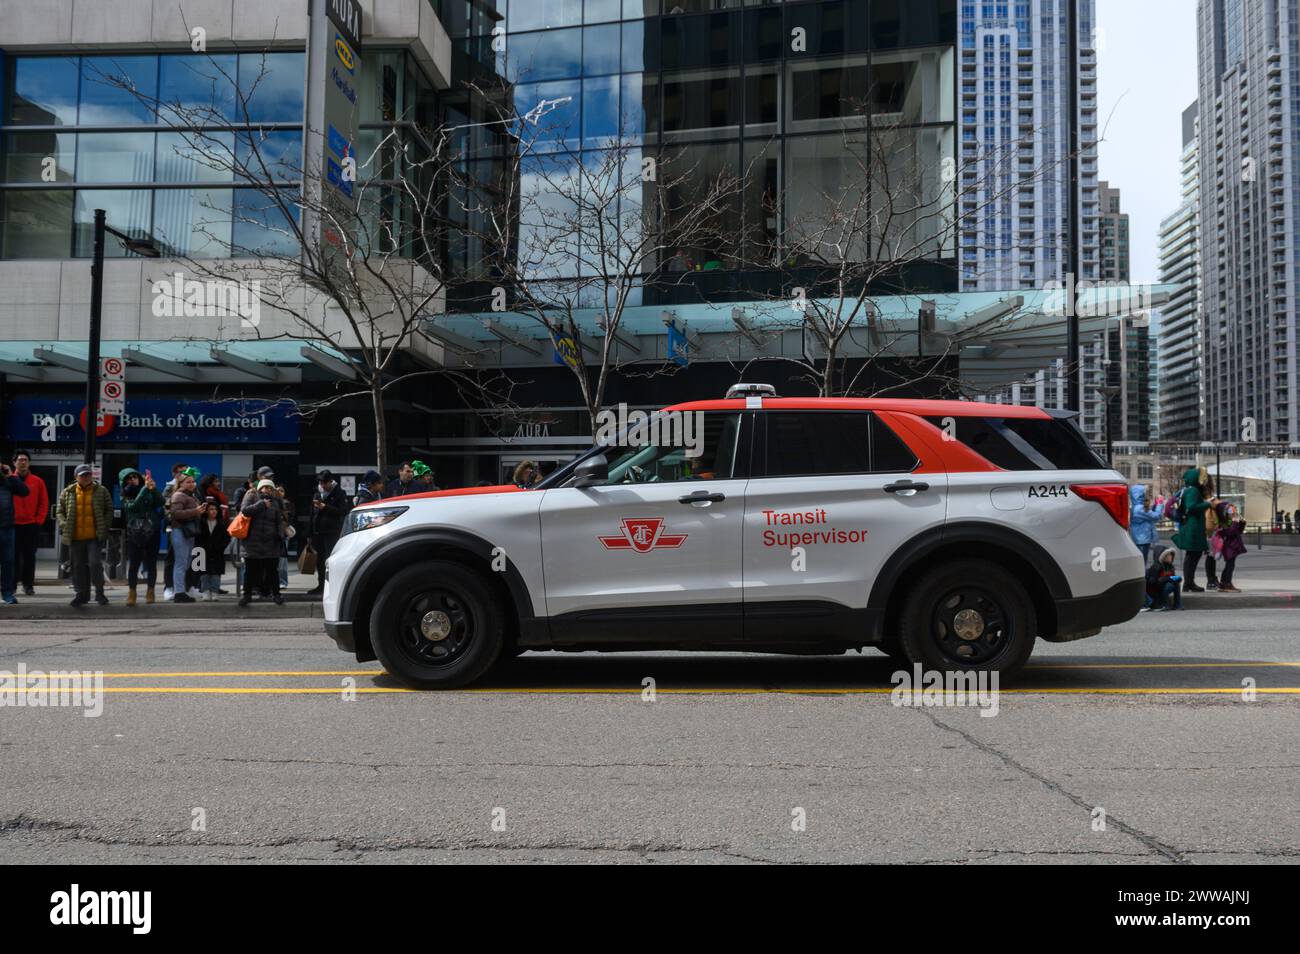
[(562, 758)]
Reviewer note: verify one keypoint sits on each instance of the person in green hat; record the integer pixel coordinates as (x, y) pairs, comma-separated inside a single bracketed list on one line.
[(423, 475), (141, 505), (1190, 536)]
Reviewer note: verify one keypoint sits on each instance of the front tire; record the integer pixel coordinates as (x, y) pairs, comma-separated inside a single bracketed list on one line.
[(437, 625), (968, 615)]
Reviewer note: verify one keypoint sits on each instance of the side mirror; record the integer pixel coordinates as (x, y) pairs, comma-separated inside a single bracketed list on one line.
[(592, 471)]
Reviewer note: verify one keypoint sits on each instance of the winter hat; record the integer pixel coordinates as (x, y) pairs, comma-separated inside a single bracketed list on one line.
[(265, 483), (1167, 550), (370, 477)]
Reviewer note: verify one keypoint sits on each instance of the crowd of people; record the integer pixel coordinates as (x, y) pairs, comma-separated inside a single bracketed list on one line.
[(191, 520), (1205, 526)]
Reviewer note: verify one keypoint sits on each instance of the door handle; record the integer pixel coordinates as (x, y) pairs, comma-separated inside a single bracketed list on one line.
[(905, 488), (701, 496)]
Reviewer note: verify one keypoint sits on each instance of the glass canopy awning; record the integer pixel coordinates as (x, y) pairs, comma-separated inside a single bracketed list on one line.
[(203, 362), (999, 337)]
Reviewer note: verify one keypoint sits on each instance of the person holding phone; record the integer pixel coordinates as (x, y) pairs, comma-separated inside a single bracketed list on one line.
[(266, 529)]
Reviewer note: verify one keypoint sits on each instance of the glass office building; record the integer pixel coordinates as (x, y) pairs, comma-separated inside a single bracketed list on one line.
[(719, 87), (156, 139)]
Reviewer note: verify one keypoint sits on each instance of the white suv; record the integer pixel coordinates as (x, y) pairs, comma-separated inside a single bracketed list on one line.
[(946, 533)]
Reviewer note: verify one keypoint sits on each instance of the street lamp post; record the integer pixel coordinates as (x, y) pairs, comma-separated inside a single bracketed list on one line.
[(1073, 399), (1108, 392), (145, 247)]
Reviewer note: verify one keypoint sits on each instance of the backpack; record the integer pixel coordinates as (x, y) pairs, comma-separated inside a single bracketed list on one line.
[(1175, 510), (1211, 520)]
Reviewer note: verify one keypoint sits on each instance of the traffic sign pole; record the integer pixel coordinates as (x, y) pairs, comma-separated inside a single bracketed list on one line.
[(92, 356)]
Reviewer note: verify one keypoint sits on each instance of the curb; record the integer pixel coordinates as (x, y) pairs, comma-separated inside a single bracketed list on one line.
[(118, 612), (1229, 601)]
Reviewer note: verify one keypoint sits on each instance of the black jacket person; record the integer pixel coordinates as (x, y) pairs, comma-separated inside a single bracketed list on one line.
[(329, 505)]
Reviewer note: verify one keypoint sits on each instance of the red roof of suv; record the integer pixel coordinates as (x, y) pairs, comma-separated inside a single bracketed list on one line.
[(921, 408)]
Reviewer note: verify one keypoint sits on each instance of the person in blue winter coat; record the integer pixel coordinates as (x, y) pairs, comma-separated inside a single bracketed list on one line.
[(1142, 520)]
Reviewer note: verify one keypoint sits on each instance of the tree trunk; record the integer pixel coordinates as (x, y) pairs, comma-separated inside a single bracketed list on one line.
[(381, 429)]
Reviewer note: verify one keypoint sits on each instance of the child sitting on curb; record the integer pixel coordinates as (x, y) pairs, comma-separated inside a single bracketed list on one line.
[(1164, 589)]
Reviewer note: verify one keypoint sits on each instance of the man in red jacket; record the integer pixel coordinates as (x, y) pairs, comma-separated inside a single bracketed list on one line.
[(30, 513)]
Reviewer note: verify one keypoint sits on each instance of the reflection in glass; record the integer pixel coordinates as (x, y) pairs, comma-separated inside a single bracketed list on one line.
[(600, 111), (118, 90), (554, 54), (25, 155), (115, 157), (640, 106), (544, 14), (270, 156), (195, 157), (194, 222), (262, 227), (197, 88), (702, 102), (690, 176), (823, 93), (44, 91), (35, 224), (600, 50), (128, 210), (271, 85), (551, 112)]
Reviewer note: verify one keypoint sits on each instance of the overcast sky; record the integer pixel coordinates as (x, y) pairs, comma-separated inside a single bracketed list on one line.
[(1146, 76)]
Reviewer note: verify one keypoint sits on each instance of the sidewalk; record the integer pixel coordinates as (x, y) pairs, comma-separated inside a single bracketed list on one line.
[(1269, 578), (53, 597)]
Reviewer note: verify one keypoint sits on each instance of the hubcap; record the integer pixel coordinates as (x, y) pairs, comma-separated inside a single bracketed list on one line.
[(435, 625), (968, 624)]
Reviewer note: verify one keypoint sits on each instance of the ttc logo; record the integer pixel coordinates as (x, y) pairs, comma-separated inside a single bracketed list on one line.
[(643, 534)]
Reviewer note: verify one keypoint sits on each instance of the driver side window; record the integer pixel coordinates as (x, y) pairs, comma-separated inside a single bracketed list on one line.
[(693, 446)]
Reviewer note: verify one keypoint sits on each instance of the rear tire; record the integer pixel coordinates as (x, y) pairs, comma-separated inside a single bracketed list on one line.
[(968, 615), (437, 625)]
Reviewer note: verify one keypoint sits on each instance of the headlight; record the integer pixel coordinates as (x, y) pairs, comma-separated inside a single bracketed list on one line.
[(370, 517)]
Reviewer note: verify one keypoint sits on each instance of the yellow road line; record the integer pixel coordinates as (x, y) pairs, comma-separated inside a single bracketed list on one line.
[(287, 673), (201, 675), (225, 690)]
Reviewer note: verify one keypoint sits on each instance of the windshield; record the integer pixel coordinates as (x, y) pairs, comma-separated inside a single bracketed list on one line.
[(707, 453)]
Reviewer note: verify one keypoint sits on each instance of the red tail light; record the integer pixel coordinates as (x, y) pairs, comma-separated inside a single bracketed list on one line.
[(1114, 497)]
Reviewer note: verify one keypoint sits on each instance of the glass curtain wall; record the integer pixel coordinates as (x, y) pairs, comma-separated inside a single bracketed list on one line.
[(864, 105), (128, 133)]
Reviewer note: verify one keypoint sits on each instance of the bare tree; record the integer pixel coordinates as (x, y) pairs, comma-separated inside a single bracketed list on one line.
[(888, 197), (356, 263), (566, 234)]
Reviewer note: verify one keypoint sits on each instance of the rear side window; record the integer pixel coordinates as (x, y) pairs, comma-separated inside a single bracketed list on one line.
[(986, 437), (1059, 441), (813, 443), (1017, 443)]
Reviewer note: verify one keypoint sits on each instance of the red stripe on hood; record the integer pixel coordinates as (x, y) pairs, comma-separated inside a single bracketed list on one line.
[(461, 492)]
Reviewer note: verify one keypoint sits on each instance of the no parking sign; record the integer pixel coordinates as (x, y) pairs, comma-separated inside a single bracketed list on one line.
[(112, 386)]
